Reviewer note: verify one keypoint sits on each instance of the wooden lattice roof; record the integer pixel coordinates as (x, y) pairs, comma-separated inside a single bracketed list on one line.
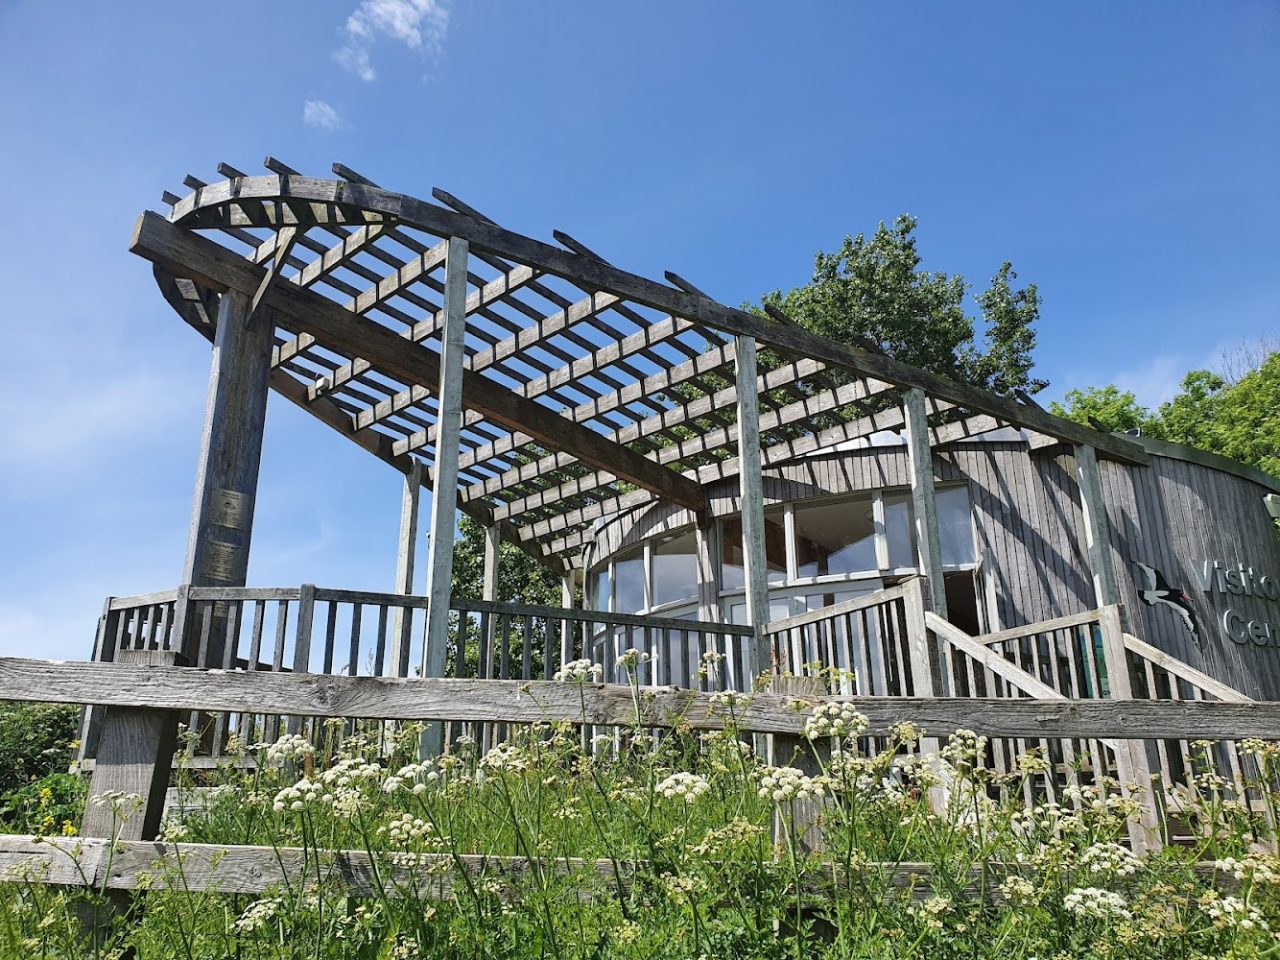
[(588, 389)]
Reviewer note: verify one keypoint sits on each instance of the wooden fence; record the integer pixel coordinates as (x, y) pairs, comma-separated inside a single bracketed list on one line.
[(310, 629)]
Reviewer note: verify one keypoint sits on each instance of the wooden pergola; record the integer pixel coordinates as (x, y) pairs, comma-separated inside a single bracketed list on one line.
[(534, 385)]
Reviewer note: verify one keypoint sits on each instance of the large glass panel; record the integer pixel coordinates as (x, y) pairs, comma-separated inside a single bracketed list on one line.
[(955, 525), (732, 572), (834, 538), (628, 576), (897, 528), (598, 584), (675, 569)]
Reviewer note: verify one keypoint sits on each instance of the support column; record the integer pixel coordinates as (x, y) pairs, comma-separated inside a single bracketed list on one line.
[(444, 494), (752, 496), (406, 552), (566, 626), (928, 545), (708, 548), (230, 446), (492, 552), (1097, 530)]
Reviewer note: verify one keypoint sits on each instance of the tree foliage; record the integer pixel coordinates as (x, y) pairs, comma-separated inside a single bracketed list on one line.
[(521, 579), (873, 289), (1237, 418)]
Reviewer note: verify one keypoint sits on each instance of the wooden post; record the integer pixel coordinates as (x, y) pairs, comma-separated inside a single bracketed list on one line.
[(444, 494), (226, 477), (1131, 755), (751, 487), (135, 754), (230, 448), (919, 652), (1097, 530), (406, 551), (928, 545), (707, 546), (127, 791), (566, 626)]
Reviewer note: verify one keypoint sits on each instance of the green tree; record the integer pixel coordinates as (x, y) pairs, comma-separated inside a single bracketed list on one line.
[(1237, 418), (873, 291), (1106, 408), (521, 579)]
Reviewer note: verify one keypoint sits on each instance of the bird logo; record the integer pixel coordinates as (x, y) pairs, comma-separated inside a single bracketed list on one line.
[(1155, 589)]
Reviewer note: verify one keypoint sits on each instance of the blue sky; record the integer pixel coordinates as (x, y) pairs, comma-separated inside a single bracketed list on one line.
[(1122, 156)]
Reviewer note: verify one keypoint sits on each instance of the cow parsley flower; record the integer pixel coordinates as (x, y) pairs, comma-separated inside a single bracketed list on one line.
[(1110, 859), (1096, 904), (683, 786), (1234, 913), (835, 720), (784, 784), (257, 915), (579, 671)]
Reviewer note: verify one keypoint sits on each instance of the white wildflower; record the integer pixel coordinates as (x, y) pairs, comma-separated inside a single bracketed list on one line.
[(1091, 902), (257, 915), (579, 671), (835, 720), (683, 786)]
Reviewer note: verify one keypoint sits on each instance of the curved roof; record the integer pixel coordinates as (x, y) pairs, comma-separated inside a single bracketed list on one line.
[(587, 388)]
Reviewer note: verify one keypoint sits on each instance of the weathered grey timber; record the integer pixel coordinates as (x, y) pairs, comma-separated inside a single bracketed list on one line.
[(134, 757), (519, 701), (752, 500), (230, 870), (928, 545), (568, 364), (1097, 535), (406, 554), (230, 449), (440, 547), (337, 328)]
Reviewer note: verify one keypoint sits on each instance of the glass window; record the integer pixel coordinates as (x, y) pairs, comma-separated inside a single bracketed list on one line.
[(598, 589), (675, 569), (955, 525), (628, 576), (833, 538), (732, 572), (897, 528)]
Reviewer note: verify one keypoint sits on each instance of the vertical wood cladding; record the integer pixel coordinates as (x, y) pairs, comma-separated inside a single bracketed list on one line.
[(1172, 515)]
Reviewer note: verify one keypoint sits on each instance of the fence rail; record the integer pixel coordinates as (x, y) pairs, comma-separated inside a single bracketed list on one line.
[(514, 701)]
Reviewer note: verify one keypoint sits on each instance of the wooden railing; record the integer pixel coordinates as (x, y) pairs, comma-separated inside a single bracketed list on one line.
[(142, 700), (864, 645), (310, 629)]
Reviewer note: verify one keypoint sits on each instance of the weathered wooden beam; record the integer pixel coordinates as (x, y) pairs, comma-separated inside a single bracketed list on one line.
[(928, 542), (350, 203), (522, 701), (678, 416), (795, 412), (185, 253), (233, 870), (327, 411), (751, 504), (1097, 530), (406, 554), (889, 419)]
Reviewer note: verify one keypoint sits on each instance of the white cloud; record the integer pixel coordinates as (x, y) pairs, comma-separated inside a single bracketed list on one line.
[(317, 113), (418, 24)]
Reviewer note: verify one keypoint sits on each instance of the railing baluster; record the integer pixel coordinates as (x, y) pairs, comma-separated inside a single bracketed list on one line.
[(380, 650), (330, 635), (353, 645), (526, 654)]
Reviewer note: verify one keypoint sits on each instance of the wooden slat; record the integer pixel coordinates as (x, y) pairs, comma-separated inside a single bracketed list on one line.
[(840, 609), (183, 252), (1031, 629), (248, 870), (537, 701), (342, 203), (1184, 670)]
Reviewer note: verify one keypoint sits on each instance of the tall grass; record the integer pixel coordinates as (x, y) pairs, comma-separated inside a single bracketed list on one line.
[(704, 850)]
